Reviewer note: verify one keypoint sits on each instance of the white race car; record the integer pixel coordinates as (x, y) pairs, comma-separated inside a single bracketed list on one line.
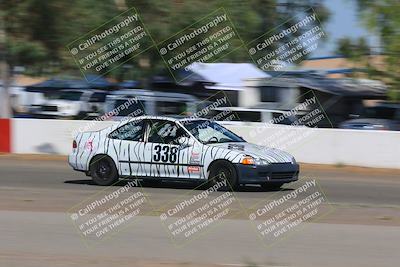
[(151, 147)]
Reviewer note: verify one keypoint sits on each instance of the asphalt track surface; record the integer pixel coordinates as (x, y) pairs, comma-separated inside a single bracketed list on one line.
[(360, 225)]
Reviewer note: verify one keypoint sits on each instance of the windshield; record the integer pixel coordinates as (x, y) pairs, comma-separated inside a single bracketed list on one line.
[(128, 107), (98, 97), (210, 132), (73, 96)]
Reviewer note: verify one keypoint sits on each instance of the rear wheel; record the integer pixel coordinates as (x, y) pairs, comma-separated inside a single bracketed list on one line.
[(272, 186), (223, 171), (103, 171)]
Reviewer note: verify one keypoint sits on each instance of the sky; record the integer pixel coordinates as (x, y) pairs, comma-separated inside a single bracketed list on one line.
[(343, 22)]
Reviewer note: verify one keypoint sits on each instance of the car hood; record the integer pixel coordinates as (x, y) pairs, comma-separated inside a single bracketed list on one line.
[(272, 155)]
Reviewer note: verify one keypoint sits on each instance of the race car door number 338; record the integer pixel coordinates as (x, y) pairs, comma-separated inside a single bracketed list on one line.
[(165, 153)]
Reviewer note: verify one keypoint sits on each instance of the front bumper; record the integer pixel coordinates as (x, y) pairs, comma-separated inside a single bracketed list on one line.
[(271, 173)]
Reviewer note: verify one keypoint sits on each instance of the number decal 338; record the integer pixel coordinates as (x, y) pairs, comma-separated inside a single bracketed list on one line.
[(165, 153)]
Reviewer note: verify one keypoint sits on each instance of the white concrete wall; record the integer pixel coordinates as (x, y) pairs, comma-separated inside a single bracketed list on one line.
[(34, 136), (323, 146), (380, 149)]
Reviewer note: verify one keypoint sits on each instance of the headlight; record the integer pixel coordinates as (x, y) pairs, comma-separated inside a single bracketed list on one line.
[(249, 160), (68, 107), (260, 161)]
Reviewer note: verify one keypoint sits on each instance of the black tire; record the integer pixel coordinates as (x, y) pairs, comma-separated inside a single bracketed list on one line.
[(81, 115), (271, 186), (103, 171), (220, 171)]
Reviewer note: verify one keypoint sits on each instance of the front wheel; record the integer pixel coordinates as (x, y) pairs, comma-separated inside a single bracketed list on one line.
[(223, 171), (80, 116), (103, 171)]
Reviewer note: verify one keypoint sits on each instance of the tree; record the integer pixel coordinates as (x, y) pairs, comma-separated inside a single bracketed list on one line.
[(34, 33), (382, 18), (251, 19), (5, 107), (354, 49), (358, 52)]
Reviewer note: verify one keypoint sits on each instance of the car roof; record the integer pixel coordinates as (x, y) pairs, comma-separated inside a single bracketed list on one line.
[(150, 93), (169, 118), (88, 91)]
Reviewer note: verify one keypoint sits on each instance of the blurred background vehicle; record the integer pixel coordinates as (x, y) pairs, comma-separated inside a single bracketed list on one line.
[(125, 103), (258, 97), (240, 114), (69, 104), (383, 116), (96, 105)]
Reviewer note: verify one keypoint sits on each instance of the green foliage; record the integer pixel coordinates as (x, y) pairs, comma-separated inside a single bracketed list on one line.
[(26, 53), (353, 49), (382, 18), (250, 18), (38, 31)]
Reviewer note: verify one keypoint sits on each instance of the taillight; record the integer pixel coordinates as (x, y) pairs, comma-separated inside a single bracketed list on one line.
[(74, 144)]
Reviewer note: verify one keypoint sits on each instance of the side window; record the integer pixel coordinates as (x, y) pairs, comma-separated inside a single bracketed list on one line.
[(132, 131), (164, 132)]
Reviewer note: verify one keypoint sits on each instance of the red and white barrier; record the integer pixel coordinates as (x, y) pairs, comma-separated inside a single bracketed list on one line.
[(5, 135)]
